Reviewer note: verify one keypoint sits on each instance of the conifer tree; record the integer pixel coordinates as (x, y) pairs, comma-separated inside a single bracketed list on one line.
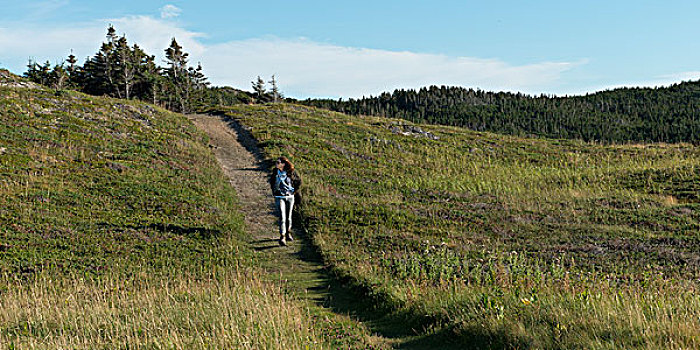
[(198, 78), (33, 72), (72, 70), (100, 71), (259, 89), (124, 71), (149, 78), (275, 92), (198, 82), (176, 59), (107, 64), (177, 74), (55, 77), (58, 76)]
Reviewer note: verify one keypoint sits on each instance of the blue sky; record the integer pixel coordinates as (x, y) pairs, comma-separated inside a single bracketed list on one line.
[(355, 48)]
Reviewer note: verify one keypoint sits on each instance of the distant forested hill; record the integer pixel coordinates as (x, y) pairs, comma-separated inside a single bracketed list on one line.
[(667, 114)]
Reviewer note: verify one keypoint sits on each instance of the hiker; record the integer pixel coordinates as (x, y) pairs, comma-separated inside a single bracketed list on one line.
[(285, 183)]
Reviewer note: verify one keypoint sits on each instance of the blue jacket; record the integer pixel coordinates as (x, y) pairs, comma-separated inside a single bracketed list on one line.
[(283, 183)]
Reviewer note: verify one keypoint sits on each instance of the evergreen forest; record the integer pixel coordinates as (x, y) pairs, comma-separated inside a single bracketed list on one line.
[(663, 114)]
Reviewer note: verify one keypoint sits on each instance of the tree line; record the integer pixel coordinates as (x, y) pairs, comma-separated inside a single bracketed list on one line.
[(121, 70), (666, 114)]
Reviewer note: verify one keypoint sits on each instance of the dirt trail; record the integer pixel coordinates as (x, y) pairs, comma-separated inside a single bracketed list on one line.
[(245, 172), (298, 266), (241, 161)]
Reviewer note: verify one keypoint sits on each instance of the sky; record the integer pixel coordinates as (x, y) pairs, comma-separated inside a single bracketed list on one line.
[(350, 49)]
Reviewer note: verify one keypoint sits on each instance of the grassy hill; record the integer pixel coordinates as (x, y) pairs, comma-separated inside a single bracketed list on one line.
[(491, 241), (118, 229)]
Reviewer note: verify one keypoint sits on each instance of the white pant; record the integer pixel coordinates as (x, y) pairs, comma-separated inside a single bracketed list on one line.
[(285, 205)]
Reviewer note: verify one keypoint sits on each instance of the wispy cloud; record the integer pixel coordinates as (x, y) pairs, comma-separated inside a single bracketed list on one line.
[(153, 35), (53, 45), (169, 11), (307, 68), (304, 68), (42, 9)]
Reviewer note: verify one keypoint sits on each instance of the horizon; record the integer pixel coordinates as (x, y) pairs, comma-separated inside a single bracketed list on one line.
[(349, 51), (462, 87), (512, 92)]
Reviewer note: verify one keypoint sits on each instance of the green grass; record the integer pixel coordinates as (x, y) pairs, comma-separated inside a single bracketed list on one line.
[(118, 229), (495, 241), (93, 184)]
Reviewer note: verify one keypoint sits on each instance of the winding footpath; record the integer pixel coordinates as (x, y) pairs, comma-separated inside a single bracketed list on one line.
[(242, 162), (297, 266)]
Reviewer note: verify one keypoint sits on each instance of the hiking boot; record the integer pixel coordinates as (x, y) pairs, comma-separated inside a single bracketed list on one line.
[(283, 242)]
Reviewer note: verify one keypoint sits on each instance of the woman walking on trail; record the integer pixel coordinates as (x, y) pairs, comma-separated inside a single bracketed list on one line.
[(285, 182)]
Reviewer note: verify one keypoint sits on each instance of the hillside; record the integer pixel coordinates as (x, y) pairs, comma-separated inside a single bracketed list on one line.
[(8, 79), (79, 170), (116, 216), (478, 240), (664, 114), (118, 229)]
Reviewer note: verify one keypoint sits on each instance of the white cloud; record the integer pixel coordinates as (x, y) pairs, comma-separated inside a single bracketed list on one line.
[(169, 11), (17, 44), (306, 68), (154, 35), (303, 67), (42, 9)]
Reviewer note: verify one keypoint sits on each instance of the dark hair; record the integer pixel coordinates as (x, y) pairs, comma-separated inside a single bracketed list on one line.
[(288, 166)]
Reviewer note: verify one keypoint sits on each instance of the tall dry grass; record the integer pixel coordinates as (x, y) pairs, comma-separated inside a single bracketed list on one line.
[(498, 241), (231, 310)]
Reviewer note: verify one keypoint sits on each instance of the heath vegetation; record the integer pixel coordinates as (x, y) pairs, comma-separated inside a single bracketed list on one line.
[(118, 229), (500, 241)]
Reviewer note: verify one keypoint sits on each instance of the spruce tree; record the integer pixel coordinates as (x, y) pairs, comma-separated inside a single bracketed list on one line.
[(128, 72), (58, 76), (72, 70), (198, 82), (107, 64), (275, 92), (100, 71), (148, 76), (33, 72), (177, 75), (45, 73), (259, 89), (125, 67), (176, 59)]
